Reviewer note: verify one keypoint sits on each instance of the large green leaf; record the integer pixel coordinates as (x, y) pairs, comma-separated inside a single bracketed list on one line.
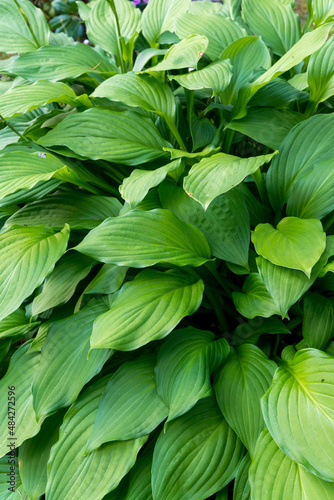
[(64, 368), (254, 300), (239, 386), (27, 256), (24, 98), (159, 16), (267, 126), (220, 31), (295, 243), (274, 475), (34, 455), (321, 10), (309, 43), (305, 147), (298, 409), (225, 223), (320, 73), (274, 21), (16, 324), (205, 7), (148, 308), (18, 409), (318, 320), (221, 172), (79, 210), (130, 406), (58, 63), (185, 362), (23, 27), (215, 76), (184, 54), (102, 25), (74, 476), (60, 285), (123, 137), (108, 280), (9, 489), (140, 477), (141, 239), (196, 456), (241, 489)]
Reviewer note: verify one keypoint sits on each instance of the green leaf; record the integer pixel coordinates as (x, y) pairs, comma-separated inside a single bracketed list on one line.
[(309, 43), (60, 285), (185, 362), (16, 324), (184, 54), (74, 476), (140, 90), (298, 410), (306, 146), (123, 137), (241, 490), (250, 332), (274, 475), (34, 455), (134, 188), (159, 16), (79, 210), (275, 22), (320, 73), (278, 93), (225, 224), (102, 26), (239, 386), (196, 456), (130, 406), (254, 300), (23, 27), (140, 476), (17, 488), (148, 308), (218, 174), (220, 31), (22, 268), (246, 55), (64, 368), (295, 243), (20, 374), (58, 63), (318, 320), (322, 10), (142, 239), (205, 7), (24, 98), (267, 126), (215, 76)]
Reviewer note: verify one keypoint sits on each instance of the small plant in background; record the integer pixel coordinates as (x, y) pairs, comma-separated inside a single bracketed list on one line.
[(166, 251)]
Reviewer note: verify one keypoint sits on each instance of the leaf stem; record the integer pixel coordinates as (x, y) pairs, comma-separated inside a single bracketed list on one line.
[(118, 35), (13, 128), (176, 134), (258, 179), (228, 140)]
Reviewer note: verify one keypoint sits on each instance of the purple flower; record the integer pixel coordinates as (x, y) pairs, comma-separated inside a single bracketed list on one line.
[(136, 2), (145, 1)]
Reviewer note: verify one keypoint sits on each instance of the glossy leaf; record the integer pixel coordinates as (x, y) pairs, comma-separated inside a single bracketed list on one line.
[(159, 16), (141, 239), (148, 308), (196, 456), (303, 387), (21, 267), (218, 174), (130, 406), (318, 320), (254, 300), (239, 386), (215, 76), (185, 362)]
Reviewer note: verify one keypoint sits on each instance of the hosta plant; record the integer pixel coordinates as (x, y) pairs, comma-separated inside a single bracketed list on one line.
[(167, 252)]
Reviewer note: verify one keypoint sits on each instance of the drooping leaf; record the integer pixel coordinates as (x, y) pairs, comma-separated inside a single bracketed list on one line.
[(320, 73), (196, 456), (27, 256), (159, 16), (225, 223), (318, 320), (141, 239), (74, 476), (295, 243), (215, 76), (239, 386), (218, 174), (220, 31), (148, 308), (254, 300), (274, 21), (274, 475), (130, 406), (123, 137), (64, 368), (185, 362), (303, 387), (20, 374)]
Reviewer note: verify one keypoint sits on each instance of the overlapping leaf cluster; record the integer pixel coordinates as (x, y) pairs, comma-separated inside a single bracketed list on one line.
[(166, 252)]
